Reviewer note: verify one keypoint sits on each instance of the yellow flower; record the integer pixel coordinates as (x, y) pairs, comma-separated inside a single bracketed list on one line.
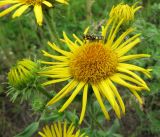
[(124, 11), (23, 5), (60, 130), (23, 73), (99, 64)]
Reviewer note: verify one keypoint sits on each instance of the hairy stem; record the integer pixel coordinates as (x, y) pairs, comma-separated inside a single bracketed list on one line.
[(44, 92)]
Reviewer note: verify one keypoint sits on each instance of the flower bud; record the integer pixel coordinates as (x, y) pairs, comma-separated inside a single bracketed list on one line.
[(124, 11), (23, 73)]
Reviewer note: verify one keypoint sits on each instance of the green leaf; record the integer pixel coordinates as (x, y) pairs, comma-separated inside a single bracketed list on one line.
[(47, 116), (154, 121), (117, 135), (29, 131), (113, 128), (71, 116)]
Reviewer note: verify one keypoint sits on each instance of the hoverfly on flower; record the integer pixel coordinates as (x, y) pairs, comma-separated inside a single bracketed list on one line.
[(92, 37)]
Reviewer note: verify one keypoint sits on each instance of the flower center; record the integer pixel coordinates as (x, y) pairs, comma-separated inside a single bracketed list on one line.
[(93, 62)]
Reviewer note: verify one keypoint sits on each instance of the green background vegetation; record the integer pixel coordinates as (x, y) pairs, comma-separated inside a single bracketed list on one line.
[(22, 38)]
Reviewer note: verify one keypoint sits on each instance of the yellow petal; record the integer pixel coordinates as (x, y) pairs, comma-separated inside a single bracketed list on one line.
[(128, 78), (54, 81), (120, 81), (70, 130), (38, 13), (111, 30), (69, 43), (41, 134), (127, 42), (113, 87), (54, 71), (77, 133), (79, 41), (121, 38), (17, 78), (53, 63), (59, 58), (134, 75), (84, 103), (8, 10), (137, 96), (56, 129), (45, 131), (53, 131), (20, 11), (65, 129), (49, 133), (82, 135), (135, 4), (54, 47), (59, 76), (60, 128), (131, 57), (113, 35), (71, 98), (62, 1), (136, 68), (47, 3), (107, 91), (68, 88), (86, 31), (7, 2), (128, 47), (137, 8), (105, 28), (99, 99)]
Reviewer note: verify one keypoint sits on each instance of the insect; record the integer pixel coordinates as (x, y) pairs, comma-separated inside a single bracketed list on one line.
[(92, 37)]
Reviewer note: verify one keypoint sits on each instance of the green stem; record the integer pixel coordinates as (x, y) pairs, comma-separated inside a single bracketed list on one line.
[(95, 120), (44, 92), (89, 4), (22, 34), (51, 27), (92, 113)]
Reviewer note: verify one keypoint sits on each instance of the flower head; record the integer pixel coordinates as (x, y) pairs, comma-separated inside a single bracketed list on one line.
[(99, 64), (22, 74), (124, 11), (23, 5), (60, 130)]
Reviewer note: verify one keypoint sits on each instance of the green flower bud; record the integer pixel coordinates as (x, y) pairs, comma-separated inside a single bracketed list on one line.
[(38, 103), (124, 11), (23, 73)]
